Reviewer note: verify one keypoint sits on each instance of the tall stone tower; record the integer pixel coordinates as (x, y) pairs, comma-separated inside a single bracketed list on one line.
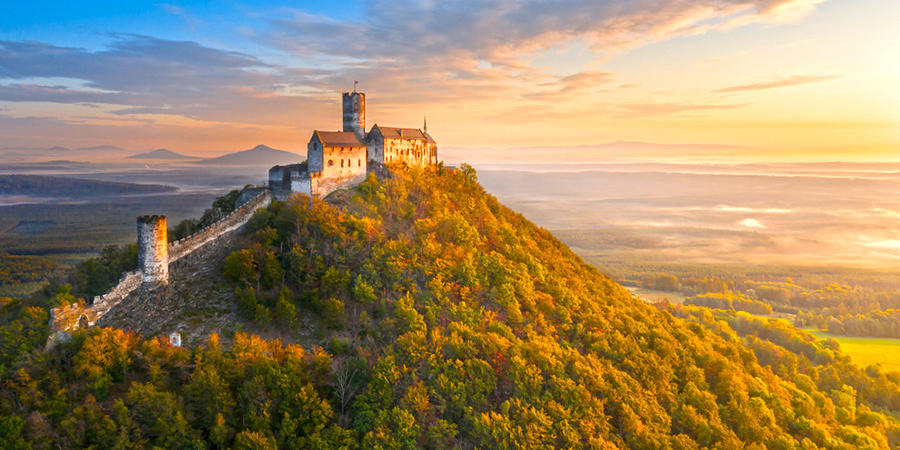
[(355, 113), (153, 251)]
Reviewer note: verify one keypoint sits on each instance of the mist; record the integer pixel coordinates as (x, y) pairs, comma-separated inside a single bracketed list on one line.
[(806, 214)]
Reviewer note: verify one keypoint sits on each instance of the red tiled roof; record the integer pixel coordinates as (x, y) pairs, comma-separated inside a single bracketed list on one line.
[(338, 139)]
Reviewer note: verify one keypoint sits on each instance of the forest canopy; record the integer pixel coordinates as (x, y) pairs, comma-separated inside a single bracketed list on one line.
[(451, 322)]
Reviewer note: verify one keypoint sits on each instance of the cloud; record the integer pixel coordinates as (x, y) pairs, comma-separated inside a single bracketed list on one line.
[(759, 210), (890, 244), (134, 111), (563, 87), (641, 110), (150, 74), (453, 51), (751, 223), (793, 80), (500, 31), (191, 21), (456, 54), (59, 94)]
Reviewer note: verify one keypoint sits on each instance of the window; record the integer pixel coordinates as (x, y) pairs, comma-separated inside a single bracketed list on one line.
[(330, 162), (342, 163), (358, 163)]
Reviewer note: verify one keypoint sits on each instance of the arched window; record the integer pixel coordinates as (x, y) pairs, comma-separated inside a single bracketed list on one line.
[(358, 163), (330, 162), (342, 163)]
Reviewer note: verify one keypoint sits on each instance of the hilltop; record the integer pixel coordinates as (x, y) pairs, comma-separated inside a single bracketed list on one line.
[(259, 155), (416, 311), (161, 153)]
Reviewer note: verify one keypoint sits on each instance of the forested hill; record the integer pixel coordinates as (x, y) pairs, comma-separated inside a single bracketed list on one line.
[(447, 321)]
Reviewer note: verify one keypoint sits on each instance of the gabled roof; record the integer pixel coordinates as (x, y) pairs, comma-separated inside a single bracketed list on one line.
[(403, 133), (338, 139)]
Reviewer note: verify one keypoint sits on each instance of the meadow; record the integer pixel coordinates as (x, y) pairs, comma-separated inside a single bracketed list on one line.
[(865, 351)]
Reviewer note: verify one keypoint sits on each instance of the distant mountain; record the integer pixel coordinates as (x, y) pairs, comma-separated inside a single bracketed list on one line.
[(58, 149), (257, 156), (161, 154)]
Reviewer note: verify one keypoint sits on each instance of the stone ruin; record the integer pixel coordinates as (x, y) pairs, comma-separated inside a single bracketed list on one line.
[(155, 255)]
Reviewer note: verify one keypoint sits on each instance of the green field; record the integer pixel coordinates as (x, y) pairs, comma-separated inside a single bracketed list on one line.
[(867, 351)]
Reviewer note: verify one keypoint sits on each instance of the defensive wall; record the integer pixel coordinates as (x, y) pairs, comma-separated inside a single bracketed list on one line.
[(130, 281)]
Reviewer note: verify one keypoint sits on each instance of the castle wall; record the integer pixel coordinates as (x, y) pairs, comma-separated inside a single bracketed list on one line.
[(321, 185), (233, 221), (414, 152), (314, 154), (375, 146), (300, 182), (153, 251), (183, 248), (344, 162), (103, 303), (431, 151), (276, 175), (344, 167)]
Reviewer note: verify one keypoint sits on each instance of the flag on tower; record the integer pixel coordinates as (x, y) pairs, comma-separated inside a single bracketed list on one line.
[(354, 85)]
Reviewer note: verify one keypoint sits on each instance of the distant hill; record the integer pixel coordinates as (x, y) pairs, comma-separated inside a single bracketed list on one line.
[(161, 154), (256, 156)]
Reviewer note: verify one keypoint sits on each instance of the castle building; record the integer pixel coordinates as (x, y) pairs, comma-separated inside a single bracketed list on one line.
[(341, 159)]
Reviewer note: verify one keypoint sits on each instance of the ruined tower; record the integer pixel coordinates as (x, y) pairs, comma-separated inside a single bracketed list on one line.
[(355, 114), (153, 251)]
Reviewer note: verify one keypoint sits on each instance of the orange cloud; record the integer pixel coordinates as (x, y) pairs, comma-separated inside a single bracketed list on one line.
[(794, 80)]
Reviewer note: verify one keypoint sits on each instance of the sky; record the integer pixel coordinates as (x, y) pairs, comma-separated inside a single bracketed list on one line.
[(786, 79)]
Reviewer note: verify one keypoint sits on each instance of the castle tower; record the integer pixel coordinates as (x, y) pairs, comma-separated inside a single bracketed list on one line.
[(153, 251), (355, 113)]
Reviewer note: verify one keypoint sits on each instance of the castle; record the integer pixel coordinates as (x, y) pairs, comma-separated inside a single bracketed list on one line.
[(335, 160), (341, 159)]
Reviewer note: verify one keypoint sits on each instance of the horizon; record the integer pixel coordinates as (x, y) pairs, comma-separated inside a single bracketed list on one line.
[(767, 80)]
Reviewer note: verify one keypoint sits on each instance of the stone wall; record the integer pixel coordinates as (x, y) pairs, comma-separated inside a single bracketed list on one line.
[(103, 303), (233, 221), (131, 281), (414, 152), (321, 185), (300, 182)]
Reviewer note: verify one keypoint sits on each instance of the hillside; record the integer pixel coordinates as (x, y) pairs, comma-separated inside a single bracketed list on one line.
[(260, 155), (444, 320), (161, 153)]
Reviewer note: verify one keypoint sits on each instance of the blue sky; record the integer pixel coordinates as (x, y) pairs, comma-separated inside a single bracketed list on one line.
[(812, 77)]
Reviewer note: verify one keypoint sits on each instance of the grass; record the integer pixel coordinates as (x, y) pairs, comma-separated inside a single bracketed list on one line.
[(865, 351), (651, 296)]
